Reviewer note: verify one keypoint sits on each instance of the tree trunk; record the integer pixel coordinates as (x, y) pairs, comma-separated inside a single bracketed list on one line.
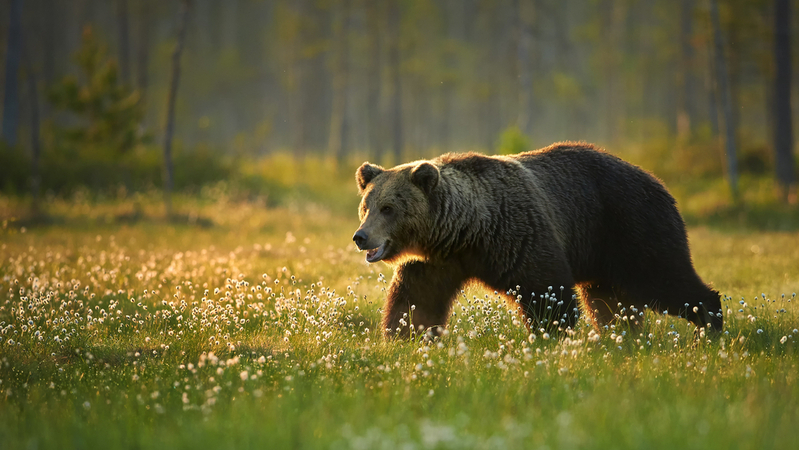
[(713, 103), (524, 38), (49, 33), (611, 22), (375, 82), (686, 113), (124, 42), (170, 107), (722, 78), (337, 139), (142, 54), (33, 98), (783, 133), (394, 73), (298, 73), (13, 55)]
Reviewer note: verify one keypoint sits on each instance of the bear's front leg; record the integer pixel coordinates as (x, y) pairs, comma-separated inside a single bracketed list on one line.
[(420, 296)]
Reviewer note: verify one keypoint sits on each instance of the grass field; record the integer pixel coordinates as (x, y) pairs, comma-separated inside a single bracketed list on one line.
[(258, 328)]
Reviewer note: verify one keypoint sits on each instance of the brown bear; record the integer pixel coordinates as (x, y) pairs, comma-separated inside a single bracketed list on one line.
[(540, 226)]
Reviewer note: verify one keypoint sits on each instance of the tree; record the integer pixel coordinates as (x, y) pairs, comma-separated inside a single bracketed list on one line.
[(298, 46), (394, 75), (375, 81), (13, 56), (170, 106), (110, 112), (339, 125), (783, 134), (33, 98), (124, 41), (612, 15), (723, 83), (524, 37), (142, 55), (686, 114)]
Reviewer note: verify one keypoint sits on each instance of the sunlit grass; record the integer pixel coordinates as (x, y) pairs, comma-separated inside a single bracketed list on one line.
[(262, 331)]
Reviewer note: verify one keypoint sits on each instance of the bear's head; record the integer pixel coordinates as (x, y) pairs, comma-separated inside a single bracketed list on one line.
[(395, 210)]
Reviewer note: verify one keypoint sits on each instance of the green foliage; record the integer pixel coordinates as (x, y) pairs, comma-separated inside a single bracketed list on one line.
[(106, 148), (16, 170), (512, 141), (286, 181), (109, 113), (139, 169)]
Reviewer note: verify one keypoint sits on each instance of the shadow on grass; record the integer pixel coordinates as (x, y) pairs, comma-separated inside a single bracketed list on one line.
[(190, 219), (754, 217), (42, 220)]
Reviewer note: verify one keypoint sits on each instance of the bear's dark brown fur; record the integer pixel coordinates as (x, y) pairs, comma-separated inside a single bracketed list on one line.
[(567, 215)]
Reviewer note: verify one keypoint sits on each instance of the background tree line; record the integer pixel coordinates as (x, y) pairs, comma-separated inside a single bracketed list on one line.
[(392, 80)]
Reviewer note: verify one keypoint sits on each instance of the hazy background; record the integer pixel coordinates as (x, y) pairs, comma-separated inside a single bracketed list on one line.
[(268, 85)]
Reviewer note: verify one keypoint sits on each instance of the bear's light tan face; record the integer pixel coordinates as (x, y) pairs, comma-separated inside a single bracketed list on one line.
[(393, 214)]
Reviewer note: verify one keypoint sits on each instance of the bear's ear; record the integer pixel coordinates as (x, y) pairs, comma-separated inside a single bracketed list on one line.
[(426, 176), (365, 174)]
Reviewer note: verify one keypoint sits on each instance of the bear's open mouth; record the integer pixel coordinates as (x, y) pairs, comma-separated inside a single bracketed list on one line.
[(376, 254)]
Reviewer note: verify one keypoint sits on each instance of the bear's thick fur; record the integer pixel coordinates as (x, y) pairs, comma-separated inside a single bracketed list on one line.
[(567, 215)]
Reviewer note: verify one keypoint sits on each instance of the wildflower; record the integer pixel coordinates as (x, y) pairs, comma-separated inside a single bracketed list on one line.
[(784, 339), (244, 375)]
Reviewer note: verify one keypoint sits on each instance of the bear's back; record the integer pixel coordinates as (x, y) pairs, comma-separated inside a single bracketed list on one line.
[(604, 203)]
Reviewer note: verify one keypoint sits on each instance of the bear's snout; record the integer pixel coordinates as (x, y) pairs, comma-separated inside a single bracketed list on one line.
[(360, 239)]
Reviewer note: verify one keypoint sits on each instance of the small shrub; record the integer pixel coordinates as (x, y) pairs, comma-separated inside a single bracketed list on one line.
[(512, 141)]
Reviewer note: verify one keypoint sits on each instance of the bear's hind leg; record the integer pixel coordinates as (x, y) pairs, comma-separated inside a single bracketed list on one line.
[(599, 302)]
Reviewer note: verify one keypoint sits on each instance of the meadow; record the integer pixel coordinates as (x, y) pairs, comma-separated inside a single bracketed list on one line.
[(254, 326)]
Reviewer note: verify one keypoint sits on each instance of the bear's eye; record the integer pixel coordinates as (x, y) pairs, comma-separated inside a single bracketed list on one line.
[(386, 210)]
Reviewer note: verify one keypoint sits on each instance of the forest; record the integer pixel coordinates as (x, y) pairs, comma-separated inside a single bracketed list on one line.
[(688, 89)]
